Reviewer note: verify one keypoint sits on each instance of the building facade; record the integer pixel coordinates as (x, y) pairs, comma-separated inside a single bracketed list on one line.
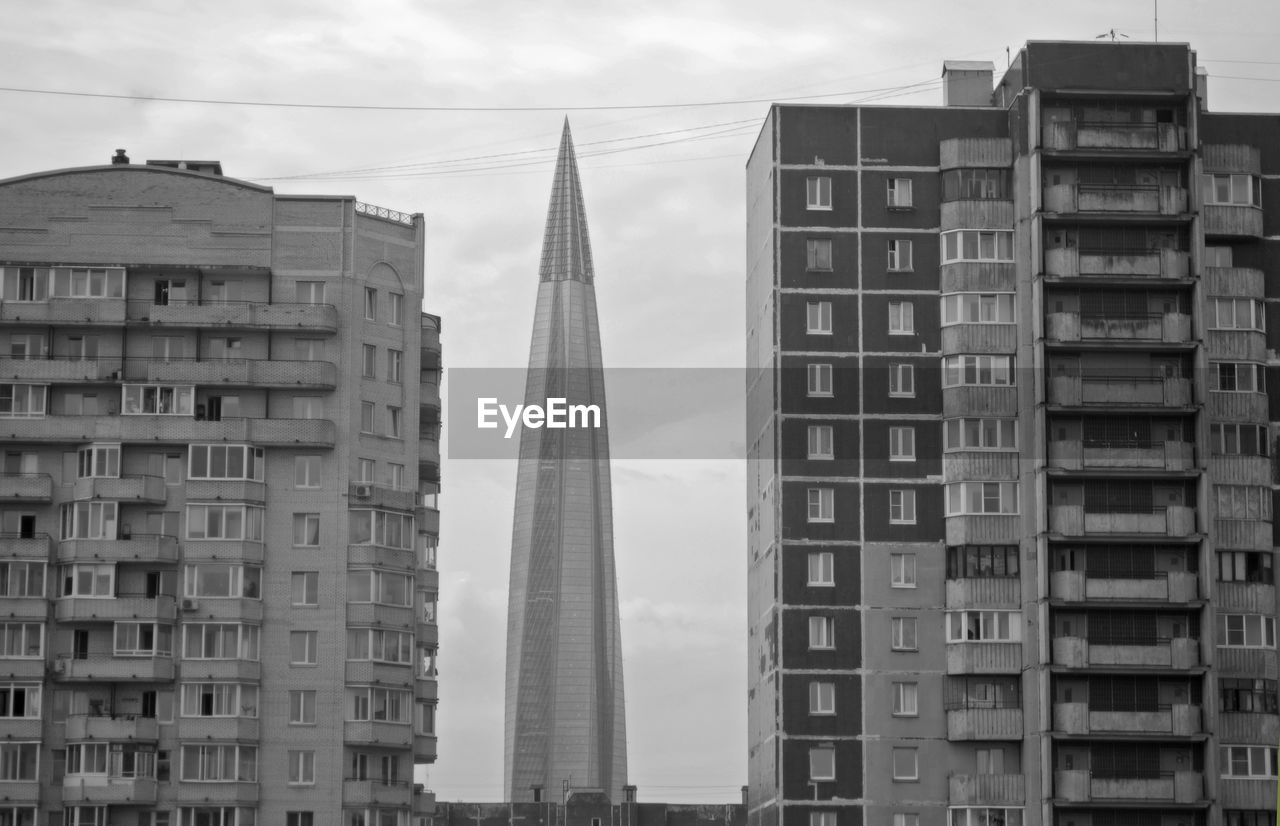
[(1011, 429), (206, 387), (565, 711)]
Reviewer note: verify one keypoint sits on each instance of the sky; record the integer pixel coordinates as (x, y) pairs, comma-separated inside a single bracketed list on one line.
[(665, 102)]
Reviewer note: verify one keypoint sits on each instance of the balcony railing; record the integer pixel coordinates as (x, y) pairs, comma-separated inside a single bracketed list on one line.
[(376, 792), (1082, 786), (1075, 454), (1066, 135), (1074, 520), (234, 372), (987, 790), (26, 487), (1074, 262), (247, 315), (1154, 586), (1077, 652), (1079, 718), (152, 429), (1163, 328), (984, 724), (1115, 198), (1122, 390), (107, 726)]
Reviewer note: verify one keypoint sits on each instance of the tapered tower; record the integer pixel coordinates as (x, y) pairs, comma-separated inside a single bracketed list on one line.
[(565, 718)]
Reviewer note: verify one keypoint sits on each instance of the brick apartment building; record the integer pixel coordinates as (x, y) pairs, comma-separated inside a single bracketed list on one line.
[(1012, 425), (219, 419)]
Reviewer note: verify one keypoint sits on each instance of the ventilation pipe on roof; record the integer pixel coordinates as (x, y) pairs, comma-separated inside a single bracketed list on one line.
[(120, 157)]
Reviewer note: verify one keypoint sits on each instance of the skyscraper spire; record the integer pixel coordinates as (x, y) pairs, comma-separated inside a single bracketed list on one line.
[(565, 719)]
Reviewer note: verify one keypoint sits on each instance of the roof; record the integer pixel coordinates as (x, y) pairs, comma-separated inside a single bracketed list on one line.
[(968, 66)]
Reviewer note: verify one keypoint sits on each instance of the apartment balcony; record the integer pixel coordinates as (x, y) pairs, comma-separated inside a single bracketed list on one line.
[(1231, 220), (222, 670), (136, 547), (1245, 597), (370, 613), (1236, 345), (21, 792), (224, 550), (219, 728), (35, 607), (972, 401), (984, 658), (318, 433), (1246, 662), (1238, 407), (424, 748), (1240, 470), (1076, 652), (984, 724), (381, 556), (1073, 520), (23, 668), (427, 633), (311, 375), (124, 489), (980, 338), (429, 394), (112, 727), (1073, 454), (59, 369), (1243, 534), (984, 592), (428, 520), (1253, 793), (986, 790), (1120, 390), (96, 311), (222, 609), (1077, 718), (238, 315), (1153, 328), (1122, 265), (429, 578), (17, 546), (104, 790), (399, 675), (429, 453), (232, 490), (221, 793), (1113, 137), (1159, 586), (426, 688), (1115, 199), (104, 668), (26, 487), (977, 213), (979, 529), (370, 495), (424, 801), (378, 733), (1248, 728), (109, 609), (377, 793), (1174, 787), (1243, 282), (978, 276)]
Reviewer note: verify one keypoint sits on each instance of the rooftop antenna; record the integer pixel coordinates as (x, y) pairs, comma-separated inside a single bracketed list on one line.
[(1113, 34), (1156, 17), (1007, 60)]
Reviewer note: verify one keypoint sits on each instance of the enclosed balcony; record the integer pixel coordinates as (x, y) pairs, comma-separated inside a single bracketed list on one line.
[(109, 609), (983, 707), (1123, 507), (1120, 389), (1245, 597), (371, 495), (1153, 192), (984, 658), (1135, 265), (986, 790), (1255, 793), (1128, 771), (1127, 704), (237, 315), (1065, 132), (378, 733), (219, 793), (26, 487), (221, 728), (424, 748), (1128, 640)]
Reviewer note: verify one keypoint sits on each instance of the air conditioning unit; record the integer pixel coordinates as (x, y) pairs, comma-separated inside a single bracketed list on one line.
[(364, 491), (190, 605)]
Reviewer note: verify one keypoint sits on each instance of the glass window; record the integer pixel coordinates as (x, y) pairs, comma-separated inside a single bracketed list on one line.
[(820, 380), (226, 462), (822, 568), (903, 633), (818, 191), (818, 318), (905, 699), (899, 193), (304, 588), (821, 441), (822, 697), (906, 764), (822, 632), (818, 254), (902, 318), (370, 304), (395, 309), (902, 570), (900, 256), (822, 506), (902, 380), (902, 507), (302, 647), (822, 763)]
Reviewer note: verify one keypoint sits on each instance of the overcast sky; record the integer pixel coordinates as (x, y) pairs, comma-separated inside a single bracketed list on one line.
[(665, 206)]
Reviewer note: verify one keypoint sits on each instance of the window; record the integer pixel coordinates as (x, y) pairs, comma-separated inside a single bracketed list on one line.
[(395, 309), (912, 819), (370, 304), (380, 645), (19, 701), (81, 348), (821, 440), (1242, 502), (977, 308), (22, 640), (98, 462), (822, 697), (899, 193), (26, 284), (902, 380), (299, 819), (306, 471), (1245, 566), (21, 401), (1250, 762), (156, 399), (818, 254), (1247, 695), (822, 505), (823, 819), (1238, 439), (89, 283), (1246, 817), (364, 470), (233, 522), (1237, 190), (980, 434), (220, 641), (304, 588), (220, 292), (385, 704), (902, 444), (977, 370), (822, 633), (906, 765), (902, 570), (1238, 314), (308, 407), (975, 184), (994, 815), (977, 245), (395, 365), (369, 527), (226, 462), (302, 768), (969, 561), (19, 761), (382, 587), (215, 580), (88, 580), (306, 529), (224, 763), (143, 639), (308, 349), (905, 699), (393, 422), (1237, 377), (309, 292), (902, 318), (1246, 631), (820, 380), (818, 191), (900, 256), (822, 763), (818, 318), (370, 361), (984, 626), (366, 417), (22, 579), (902, 507), (822, 568), (219, 700), (903, 631), (395, 475), (302, 647), (965, 498)]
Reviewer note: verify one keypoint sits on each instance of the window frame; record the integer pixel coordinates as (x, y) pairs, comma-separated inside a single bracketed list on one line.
[(903, 511), (906, 699), (822, 632), (821, 505), (819, 255), (821, 381), (818, 192), (821, 442), (902, 380), (905, 752), (817, 318), (899, 256), (902, 570), (904, 633), (898, 195), (822, 698), (821, 569), (902, 318)]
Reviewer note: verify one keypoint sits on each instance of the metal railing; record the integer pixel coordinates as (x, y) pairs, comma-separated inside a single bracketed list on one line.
[(395, 216)]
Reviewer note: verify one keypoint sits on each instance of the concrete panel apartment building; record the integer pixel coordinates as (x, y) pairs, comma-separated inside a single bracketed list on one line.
[(1011, 423), (219, 419)]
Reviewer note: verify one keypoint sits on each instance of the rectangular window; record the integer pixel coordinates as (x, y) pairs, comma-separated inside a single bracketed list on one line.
[(380, 645), (383, 704), (900, 256), (822, 633), (1246, 631), (302, 768), (906, 764), (382, 587), (913, 819), (977, 308), (393, 421), (818, 254), (975, 184), (1247, 695), (395, 309), (20, 701), (222, 580), (818, 192), (98, 462), (22, 640), (304, 588), (89, 283), (219, 700), (306, 471), (1238, 439), (822, 568), (818, 318), (219, 763), (995, 371), (1237, 377), (983, 626), (1235, 189), (967, 498), (370, 304), (902, 318), (905, 700), (822, 505), (822, 763), (1238, 314), (969, 561), (233, 522), (902, 444), (370, 527), (153, 400), (1246, 566), (822, 698), (902, 570), (22, 579), (309, 292), (902, 380), (903, 630), (308, 407), (22, 401), (226, 462), (306, 529), (302, 647), (1242, 502), (294, 819), (1249, 762), (977, 245), (821, 441), (143, 639), (90, 520), (899, 193), (980, 434), (902, 507), (19, 761), (395, 366), (820, 380), (366, 417), (220, 641), (369, 363)]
